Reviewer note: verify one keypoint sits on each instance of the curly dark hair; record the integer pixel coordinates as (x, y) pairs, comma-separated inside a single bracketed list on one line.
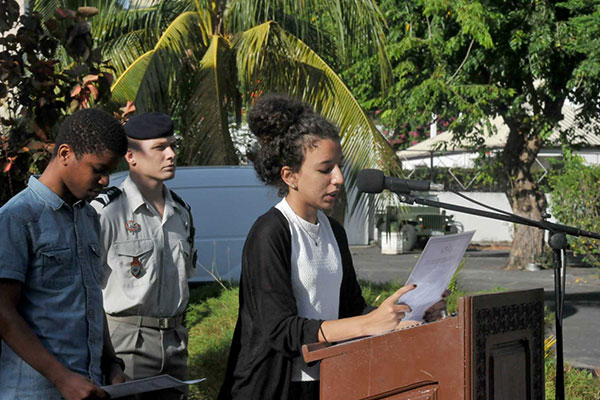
[(92, 130), (286, 128)]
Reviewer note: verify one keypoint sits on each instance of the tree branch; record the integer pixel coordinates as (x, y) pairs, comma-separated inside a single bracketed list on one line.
[(462, 63)]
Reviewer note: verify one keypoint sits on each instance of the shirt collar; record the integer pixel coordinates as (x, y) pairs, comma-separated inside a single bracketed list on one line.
[(136, 199), (45, 193), (170, 204), (169, 198), (134, 196)]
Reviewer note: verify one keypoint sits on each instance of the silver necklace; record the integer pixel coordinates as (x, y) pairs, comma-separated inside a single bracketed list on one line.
[(310, 235)]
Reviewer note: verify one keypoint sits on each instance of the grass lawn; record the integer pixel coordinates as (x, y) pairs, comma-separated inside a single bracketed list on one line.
[(211, 318)]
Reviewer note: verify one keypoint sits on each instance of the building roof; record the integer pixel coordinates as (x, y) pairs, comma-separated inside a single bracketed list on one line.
[(443, 141)]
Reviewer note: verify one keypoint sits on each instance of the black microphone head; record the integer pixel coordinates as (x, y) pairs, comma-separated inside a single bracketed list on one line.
[(370, 181)]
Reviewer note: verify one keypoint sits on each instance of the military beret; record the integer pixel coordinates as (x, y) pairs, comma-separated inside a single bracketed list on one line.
[(149, 125)]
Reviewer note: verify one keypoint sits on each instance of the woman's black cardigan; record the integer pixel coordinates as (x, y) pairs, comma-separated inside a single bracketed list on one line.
[(269, 332)]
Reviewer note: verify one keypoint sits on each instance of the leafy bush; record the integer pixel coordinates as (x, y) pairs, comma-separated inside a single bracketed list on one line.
[(49, 69), (376, 293), (575, 190)]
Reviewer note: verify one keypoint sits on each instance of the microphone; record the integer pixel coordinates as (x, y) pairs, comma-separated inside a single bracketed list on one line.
[(374, 181)]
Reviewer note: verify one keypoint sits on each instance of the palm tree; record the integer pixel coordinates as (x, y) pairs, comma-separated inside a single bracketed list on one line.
[(202, 61)]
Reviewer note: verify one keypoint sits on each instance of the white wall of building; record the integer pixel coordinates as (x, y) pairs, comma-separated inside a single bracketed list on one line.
[(458, 160), (486, 230), (467, 160)]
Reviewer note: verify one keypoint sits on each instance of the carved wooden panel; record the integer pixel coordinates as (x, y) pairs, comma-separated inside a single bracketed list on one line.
[(509, 370), (508, 352)]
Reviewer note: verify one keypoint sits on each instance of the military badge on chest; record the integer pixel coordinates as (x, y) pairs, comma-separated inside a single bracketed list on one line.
[(132, 226), (136, 267)]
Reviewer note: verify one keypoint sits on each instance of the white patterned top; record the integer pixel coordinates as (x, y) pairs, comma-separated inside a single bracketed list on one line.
[(316, 275)]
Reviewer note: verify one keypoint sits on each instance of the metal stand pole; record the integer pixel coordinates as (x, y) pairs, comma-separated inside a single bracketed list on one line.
[(558, 243)]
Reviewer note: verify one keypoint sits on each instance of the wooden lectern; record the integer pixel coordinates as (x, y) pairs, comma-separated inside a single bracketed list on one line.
[(492, 350)]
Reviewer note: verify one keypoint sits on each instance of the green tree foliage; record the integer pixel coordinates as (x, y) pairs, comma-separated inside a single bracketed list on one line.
[(467, 62), (204, 61), (575, 200), (37, 91)]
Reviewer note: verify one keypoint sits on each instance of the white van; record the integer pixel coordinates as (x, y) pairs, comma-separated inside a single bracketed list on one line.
[(225, 201)]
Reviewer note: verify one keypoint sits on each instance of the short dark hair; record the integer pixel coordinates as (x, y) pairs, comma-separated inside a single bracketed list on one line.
[(92, 131), (133, 144), (285, 127)]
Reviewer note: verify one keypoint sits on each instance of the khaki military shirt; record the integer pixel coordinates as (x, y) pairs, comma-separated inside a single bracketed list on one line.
[(147, 259)]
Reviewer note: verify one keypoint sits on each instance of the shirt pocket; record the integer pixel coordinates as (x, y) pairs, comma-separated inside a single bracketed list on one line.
[(133, 262), (57, 268)]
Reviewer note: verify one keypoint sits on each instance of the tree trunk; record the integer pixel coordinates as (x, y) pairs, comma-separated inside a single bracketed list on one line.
[(528, 242), (524, 195)]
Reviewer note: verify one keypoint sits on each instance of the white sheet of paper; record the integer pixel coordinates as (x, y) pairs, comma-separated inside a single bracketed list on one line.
[(146, 385), (433, 272)]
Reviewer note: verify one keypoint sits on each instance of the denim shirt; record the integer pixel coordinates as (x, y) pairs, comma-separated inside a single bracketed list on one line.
[(53, 249)]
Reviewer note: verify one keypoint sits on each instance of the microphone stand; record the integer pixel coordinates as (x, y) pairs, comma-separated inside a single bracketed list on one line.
[(557, 242)]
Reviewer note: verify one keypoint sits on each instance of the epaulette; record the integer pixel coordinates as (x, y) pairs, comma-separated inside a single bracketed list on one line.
[(107, 195), (179, 200), (192, 234)]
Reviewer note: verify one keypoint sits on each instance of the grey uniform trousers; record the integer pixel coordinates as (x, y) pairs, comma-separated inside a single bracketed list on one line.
[(152, 351)]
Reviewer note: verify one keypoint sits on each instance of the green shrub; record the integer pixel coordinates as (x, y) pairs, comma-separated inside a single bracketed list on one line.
[(49, 68), (376, 293), (580, 384), (575, 201)]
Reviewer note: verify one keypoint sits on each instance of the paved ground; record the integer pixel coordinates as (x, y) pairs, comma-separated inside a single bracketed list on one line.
[(484, 270)]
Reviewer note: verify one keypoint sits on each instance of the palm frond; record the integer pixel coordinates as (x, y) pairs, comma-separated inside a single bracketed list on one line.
[(123, 30), (180, 44), (121, 34), (125, 50), (243, 15), (46, 7), (124, 34), (207, 106), (125, 88), (355, 26), (283, 63), (360, 23)]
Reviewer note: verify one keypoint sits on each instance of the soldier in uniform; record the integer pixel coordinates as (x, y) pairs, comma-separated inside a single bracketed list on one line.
[(147, 235)]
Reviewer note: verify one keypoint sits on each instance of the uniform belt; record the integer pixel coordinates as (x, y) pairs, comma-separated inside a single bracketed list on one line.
[(149, 322)]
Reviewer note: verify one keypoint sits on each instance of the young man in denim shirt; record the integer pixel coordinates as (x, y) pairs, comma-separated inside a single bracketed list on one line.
[(55, 341)]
